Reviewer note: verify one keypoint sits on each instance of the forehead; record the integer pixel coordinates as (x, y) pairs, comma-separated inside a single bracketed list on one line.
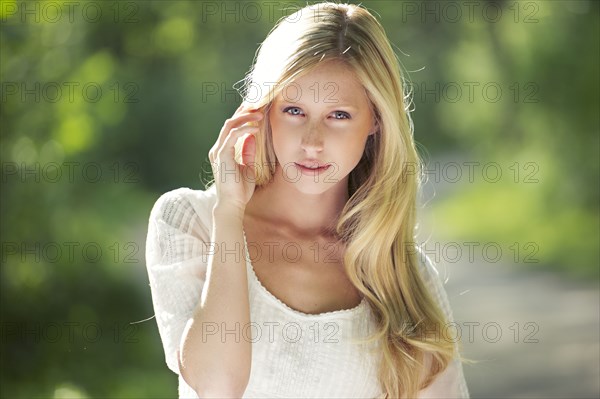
[(330, 82)]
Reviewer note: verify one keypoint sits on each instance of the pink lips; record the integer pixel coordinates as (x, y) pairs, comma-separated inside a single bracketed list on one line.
[(312, 164), (312, 171)]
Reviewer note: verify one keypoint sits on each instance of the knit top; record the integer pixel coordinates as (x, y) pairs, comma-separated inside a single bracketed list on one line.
[(294, 354)]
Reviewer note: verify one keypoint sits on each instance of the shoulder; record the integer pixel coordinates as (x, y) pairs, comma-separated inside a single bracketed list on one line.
[(184, 203)]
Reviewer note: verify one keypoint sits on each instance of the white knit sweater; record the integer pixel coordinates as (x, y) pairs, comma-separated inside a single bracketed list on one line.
[(294, 354)]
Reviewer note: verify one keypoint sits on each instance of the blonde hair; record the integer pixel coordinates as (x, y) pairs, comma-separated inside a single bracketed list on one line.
[(377, 223)]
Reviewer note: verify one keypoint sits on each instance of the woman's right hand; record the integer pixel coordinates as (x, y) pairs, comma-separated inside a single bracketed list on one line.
[(235, 183)]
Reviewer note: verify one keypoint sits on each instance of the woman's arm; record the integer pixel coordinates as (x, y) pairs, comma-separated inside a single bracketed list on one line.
[(176, 262), (178, 255), (215, 359)]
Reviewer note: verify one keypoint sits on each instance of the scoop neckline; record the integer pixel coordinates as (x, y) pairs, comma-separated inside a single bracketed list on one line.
[(285, 306)]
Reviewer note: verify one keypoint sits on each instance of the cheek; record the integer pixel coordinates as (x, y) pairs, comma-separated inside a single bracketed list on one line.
[(353, 140), (281, 136), (353, 150)]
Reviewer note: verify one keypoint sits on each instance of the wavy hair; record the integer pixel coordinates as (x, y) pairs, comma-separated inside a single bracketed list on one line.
[(378, 222)]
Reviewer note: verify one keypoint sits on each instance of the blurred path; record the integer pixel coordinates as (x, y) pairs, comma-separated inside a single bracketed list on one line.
[(565, 321)]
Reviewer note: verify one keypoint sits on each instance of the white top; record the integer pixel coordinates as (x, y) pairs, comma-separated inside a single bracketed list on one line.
[(294, 354)]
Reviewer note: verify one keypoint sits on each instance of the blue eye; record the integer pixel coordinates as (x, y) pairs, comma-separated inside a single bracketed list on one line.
[(295, 110), (341, 115)]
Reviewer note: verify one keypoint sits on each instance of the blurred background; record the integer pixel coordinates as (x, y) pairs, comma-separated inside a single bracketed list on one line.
[(105, 105)]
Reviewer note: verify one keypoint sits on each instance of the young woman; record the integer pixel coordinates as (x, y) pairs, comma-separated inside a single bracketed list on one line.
[(295, 273)]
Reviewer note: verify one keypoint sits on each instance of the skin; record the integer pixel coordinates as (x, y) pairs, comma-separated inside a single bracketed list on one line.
[(331, 124), (310, 120)]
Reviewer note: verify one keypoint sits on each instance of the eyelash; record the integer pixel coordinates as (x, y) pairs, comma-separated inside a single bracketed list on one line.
[(345, 114)]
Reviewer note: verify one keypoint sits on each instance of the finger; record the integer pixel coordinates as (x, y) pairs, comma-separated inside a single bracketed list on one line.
[(250, 104), (240, 108), (235, 122), (229, 124), (251, 114), (227, 150), (251, 108), (244, 106), (247, 107)]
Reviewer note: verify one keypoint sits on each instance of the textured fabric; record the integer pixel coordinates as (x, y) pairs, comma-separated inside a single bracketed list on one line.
[(294, 354)]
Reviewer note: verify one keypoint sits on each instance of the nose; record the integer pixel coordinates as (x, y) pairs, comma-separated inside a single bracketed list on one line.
[(312, 139)]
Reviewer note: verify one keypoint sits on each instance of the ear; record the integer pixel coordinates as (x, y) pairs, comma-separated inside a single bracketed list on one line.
[(374, 128)]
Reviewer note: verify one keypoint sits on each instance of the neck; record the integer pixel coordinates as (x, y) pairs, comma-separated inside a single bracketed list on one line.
[(297, 213)]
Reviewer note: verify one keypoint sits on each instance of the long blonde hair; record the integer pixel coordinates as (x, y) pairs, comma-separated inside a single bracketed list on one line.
[(377, 223)]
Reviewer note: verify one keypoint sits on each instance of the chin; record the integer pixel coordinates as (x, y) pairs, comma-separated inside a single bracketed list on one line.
[(316, 185), (311, 187)]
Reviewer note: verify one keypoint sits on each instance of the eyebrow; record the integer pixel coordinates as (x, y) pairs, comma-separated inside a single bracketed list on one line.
[(333, 104)]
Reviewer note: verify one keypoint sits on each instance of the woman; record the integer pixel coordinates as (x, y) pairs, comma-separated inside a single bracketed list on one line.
[(296, 274)]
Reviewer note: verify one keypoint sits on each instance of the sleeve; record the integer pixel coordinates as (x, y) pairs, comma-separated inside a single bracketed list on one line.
[(176, 260), (451, 382)]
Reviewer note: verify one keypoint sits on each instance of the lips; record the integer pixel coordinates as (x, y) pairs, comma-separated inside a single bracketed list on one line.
[(313, 164), (312, 170)]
